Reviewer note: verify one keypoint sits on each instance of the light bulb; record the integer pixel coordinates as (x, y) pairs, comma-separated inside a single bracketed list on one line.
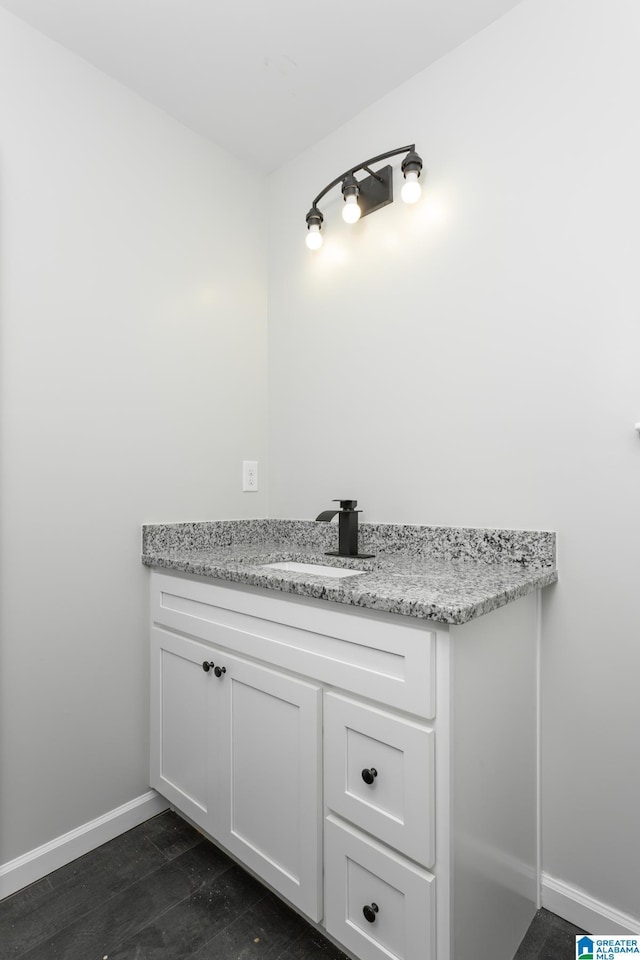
[(411, 189), (351, 211), (314, 237)]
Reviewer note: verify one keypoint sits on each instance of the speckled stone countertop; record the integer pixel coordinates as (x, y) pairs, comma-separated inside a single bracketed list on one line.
[(447, 574)]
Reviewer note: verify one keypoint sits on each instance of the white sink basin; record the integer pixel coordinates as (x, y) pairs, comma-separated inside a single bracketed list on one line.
[(317, 569)]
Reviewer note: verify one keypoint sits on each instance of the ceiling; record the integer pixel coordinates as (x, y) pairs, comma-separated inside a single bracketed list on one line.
[(262, 79)]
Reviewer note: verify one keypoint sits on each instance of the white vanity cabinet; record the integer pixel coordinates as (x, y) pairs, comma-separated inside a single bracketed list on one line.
[(378, 771)]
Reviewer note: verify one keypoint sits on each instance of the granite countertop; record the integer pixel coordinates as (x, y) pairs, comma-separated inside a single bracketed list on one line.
[(446, 574)]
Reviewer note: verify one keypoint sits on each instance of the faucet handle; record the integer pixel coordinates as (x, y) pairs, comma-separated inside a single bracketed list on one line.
[(347, 504)]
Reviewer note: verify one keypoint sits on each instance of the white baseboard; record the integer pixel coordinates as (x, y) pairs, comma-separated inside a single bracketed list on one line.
[(581, 909), (37, 863)]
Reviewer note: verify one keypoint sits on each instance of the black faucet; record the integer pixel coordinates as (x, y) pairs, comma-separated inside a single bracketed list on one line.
[(347, 529)]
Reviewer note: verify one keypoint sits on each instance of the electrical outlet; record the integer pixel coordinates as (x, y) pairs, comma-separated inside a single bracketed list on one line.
[(250, 476)]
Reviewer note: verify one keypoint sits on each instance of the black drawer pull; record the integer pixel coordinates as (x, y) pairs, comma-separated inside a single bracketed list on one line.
[(219, 671), (369, 776), (370, 912), (208, 665)]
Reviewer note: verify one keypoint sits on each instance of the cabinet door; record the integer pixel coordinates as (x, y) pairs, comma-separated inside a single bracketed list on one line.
[(183, 734), (267, 800)]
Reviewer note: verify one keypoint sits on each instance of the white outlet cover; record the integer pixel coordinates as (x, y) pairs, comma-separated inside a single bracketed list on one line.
[(250, 476)]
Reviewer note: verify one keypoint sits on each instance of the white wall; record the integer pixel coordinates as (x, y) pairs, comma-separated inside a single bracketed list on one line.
[(133, 331), (474, 360)]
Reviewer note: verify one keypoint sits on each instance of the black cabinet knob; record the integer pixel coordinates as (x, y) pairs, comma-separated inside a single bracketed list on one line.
[(208, 665), (219, 670), (370, 912), (369, 775)]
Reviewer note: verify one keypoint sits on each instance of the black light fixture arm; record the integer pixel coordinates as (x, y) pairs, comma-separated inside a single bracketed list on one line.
[(410, 148)]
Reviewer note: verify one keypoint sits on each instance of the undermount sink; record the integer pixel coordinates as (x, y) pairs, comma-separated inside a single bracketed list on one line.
[(317, 569)]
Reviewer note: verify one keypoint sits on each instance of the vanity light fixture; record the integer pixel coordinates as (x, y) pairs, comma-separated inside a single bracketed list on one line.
[(369, 194)]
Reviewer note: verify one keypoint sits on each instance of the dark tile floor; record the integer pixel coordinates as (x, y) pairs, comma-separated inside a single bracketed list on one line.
[(161, 892), (549, 938)]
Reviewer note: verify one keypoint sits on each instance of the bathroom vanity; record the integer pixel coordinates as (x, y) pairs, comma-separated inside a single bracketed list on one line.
[(375, 768)]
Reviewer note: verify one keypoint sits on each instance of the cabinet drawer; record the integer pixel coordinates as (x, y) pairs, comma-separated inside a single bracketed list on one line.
[(379, 773), (379, 656), (399, 897)]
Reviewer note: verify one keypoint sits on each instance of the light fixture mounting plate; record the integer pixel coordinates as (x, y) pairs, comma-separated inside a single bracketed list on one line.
[(376, 191)]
